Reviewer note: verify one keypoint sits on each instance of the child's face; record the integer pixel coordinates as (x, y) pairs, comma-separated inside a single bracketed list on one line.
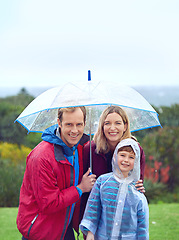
[(125, 161)]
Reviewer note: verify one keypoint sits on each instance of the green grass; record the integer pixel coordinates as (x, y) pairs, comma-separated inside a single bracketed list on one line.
[(164, 222), (8, 229)]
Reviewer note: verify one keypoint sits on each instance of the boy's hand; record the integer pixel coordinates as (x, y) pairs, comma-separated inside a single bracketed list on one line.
[(90, 236), (87, 181), (140, 187)]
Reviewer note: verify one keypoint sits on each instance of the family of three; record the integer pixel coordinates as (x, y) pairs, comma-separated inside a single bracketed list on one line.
[(57, 181)]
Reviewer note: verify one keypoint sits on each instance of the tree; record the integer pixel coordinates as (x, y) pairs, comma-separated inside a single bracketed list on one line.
[(163, 146), (168, 116), (10, 109)]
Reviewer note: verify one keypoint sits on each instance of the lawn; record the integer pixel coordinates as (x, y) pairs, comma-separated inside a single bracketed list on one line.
[(164, 222)]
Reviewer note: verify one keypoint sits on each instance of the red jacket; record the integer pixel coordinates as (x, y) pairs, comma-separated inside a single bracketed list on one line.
[(47, 194)]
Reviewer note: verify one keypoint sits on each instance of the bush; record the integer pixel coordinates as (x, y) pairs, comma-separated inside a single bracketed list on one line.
[(159, 193), (153, 190), (163, 146), (12, 167), (11, 180), (16, 154)]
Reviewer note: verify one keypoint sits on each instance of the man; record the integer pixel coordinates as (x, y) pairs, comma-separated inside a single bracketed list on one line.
[(53, 181)]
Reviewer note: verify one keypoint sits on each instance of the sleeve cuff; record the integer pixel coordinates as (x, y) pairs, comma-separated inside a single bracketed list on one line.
[(79, 191)]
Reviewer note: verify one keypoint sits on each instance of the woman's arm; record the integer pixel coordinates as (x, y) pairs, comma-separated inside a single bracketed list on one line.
[(142, 163), (139, 184)]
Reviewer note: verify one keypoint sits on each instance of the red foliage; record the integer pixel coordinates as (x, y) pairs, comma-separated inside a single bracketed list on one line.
[(156, 173), (165, 174)]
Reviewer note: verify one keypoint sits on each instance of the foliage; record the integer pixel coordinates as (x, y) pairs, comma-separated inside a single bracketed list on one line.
[(162, 153), (10, 109), (32, 139), (153, 190), (11, 180), (163, 146), (168, 116), (22, 99), (156, 172), (16, 154), (9, 132), (12, 167)]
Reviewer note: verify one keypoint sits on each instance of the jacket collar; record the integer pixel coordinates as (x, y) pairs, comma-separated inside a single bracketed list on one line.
[(52, 135), (58, 151)]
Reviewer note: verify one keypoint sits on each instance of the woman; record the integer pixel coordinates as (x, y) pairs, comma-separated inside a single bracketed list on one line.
[(113, 127)]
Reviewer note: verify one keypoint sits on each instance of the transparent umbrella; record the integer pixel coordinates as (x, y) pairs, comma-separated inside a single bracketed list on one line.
[(41, 113)]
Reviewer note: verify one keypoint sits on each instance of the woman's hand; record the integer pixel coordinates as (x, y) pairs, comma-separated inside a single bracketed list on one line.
[(140, 187), (90, 236)]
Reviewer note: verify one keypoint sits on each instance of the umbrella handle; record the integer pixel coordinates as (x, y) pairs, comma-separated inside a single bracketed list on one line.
[(90, 172), (89, 75)]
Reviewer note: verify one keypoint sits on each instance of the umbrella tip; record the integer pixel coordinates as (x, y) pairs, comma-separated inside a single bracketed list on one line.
[(89, 75)]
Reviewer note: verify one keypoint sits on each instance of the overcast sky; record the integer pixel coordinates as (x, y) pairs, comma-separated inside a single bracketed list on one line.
[(43, 43)]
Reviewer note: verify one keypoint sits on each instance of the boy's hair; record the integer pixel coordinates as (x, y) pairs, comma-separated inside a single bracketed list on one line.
[(127, 149), (70, 109)]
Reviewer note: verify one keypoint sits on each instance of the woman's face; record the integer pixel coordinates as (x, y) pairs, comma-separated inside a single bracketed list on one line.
[(114, 128)]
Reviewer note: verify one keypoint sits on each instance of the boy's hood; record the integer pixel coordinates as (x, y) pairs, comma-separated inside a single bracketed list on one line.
[(134, 175)]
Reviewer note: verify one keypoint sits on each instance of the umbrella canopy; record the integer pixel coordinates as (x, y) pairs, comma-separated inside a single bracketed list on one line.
[(41, 113)]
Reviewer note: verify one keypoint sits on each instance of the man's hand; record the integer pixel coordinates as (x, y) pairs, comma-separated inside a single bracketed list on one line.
[(90, 236), (87, 181), (140, 187)]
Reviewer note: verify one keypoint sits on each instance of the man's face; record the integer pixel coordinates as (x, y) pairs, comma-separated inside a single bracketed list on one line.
[(72, 127)]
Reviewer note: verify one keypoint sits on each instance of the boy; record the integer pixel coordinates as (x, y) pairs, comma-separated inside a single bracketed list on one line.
[(115, 209)]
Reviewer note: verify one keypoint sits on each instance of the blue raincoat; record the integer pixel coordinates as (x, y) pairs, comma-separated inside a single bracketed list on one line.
[(115, 209)]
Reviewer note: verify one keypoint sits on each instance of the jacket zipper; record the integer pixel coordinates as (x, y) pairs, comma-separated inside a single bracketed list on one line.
[(73, 158), (32, 224)]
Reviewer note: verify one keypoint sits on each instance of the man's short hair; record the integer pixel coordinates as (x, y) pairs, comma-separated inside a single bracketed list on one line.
[(70, 109)]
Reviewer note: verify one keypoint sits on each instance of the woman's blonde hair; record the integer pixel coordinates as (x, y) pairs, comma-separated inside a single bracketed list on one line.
[(100, 140)]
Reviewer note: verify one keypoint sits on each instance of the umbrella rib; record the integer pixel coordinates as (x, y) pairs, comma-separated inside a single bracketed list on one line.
[(60, 90), (36, 118)]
